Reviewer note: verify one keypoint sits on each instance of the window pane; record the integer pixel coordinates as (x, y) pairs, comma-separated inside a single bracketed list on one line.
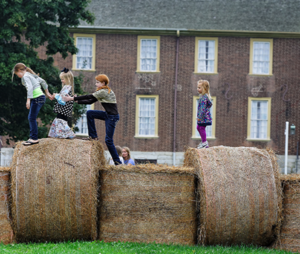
[(82, 123), (147, 116), (148, 55), (261, 57), (85, 52), (206, 56), (259, 119)]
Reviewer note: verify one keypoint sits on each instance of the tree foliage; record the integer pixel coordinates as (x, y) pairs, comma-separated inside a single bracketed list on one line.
[(26, 25)]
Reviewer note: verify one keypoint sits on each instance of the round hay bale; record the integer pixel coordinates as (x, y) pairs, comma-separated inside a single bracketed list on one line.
[(238, 195), (54, 190), (6, 232), (147, 203), (289, 239)]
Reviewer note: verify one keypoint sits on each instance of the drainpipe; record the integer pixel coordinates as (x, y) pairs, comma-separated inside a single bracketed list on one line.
[(175, 97)]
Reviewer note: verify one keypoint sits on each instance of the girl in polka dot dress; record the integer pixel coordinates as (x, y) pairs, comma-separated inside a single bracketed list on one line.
[(59, 127)]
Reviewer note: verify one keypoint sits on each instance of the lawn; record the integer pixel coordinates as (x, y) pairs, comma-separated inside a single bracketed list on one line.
[(98, 247)]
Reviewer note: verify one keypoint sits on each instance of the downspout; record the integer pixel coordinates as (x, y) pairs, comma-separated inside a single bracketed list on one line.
[(175, 97)]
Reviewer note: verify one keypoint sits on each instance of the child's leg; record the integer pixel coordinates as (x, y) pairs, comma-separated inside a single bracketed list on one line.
[(91, 115), (35, 107), (202, 132), (110, 125)]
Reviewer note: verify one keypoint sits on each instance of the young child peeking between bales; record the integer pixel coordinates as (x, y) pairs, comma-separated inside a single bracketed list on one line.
[(107, 97)]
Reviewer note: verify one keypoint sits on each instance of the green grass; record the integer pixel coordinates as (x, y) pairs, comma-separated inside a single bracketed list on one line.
[(97, 247)]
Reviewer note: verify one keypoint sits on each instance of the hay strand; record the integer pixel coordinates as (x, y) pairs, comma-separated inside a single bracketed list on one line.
[(238, 200), (54, 190), (6, 232), (289, 239), (147, 203)]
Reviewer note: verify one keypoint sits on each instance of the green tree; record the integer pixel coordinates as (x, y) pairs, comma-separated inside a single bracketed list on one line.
[(26, 25)]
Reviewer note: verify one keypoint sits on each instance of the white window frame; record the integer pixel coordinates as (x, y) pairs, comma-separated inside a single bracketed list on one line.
[(195, 133), (137, 116), (252, 52), (139, 53), (93, 37), (250, 100), (83, 117), (215, 59)]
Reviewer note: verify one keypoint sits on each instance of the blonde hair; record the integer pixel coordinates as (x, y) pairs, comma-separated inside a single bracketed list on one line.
[(68, 76), (205, 86), (22, 67), (127, 150)]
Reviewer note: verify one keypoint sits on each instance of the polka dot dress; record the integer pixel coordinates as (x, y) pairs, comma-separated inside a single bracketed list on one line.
[(65, 110)]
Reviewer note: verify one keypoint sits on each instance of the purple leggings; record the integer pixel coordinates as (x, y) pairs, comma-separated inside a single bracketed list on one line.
[(201, 130)]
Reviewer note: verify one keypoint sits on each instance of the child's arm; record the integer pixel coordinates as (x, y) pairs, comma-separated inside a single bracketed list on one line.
[(45, 86), (84, 99), (27, 83)]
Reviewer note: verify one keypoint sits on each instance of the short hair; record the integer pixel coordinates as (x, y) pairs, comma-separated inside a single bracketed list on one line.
[(102, 78)]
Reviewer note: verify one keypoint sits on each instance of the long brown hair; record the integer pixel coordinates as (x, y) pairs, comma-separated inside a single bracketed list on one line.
[(205, 86), (22, 67), (127, 150)]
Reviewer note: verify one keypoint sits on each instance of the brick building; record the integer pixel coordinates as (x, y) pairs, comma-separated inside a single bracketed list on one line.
[(154, 52)]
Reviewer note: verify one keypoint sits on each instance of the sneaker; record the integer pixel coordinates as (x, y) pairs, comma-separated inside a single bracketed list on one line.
[(203, 145), (200, 145)]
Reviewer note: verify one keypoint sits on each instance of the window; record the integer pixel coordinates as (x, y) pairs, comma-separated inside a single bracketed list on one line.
[(82, 123), (259, 118), (85, 57), (146, 116), (148, 54), (261, 56), (210, 130), (206, 55)]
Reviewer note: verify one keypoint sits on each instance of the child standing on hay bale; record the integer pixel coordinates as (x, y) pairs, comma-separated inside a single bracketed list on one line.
[(59, 127), (111, 116), (35, 97), (203, 114)]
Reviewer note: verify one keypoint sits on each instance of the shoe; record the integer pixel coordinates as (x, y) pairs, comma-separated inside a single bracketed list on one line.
[(29, 143), (90, 139), (200, 145), (203, 145)]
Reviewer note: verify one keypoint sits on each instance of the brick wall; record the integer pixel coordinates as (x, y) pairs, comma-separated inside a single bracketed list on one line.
[(116, 55)]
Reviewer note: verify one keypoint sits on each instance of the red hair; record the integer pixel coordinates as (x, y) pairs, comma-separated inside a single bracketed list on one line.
[(102, 78)]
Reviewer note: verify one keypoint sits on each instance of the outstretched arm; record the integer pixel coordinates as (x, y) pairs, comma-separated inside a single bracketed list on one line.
[(84, 99)]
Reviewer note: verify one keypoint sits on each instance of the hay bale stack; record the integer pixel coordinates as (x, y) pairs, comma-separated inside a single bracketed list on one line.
[(147, 203), (54, 190), (238, 194), (6, 232), (290, 230)]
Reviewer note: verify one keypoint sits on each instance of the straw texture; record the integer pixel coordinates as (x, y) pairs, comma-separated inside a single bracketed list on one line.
[(238, 195), (147, 203), (290, 231), (6, 232), (54, 190)]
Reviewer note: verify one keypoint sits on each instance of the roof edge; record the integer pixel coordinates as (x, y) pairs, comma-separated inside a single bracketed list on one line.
[(183, 32)]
